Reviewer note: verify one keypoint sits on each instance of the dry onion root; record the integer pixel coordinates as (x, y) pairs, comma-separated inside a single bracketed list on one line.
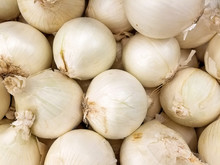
[(54, 99)]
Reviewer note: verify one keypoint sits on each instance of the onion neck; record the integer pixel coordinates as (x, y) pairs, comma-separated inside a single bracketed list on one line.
[(14, 85), (25, 120)]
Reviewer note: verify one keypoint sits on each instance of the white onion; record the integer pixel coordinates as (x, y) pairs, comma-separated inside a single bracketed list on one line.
[(4, 100), (80, 147), (8, 9), (162, 19), (212, 57), (209, 143), (201, 34), (151, 61), (49, 15), (24, 50), (17, 145), (191, 98), (54, 99), (115, 104), (83, 48), (155, 144), (111, 13)]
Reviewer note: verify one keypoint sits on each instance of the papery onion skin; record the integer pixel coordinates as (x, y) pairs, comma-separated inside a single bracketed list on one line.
[(212, 57), (15, 150), (83, 48), (209, 144), (162, 19), (111, 13), (115, 104), (191, 98), (151, 61), (8, 9), (153, 143), (82, 147), (49, 15), (24, 50), (53, 98), (4, 99)]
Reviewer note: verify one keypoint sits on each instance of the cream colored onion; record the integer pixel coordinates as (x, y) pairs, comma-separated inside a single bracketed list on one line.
[(162, 19), (115, 104), (154, 143), (212, 57), (191, 98), (8, 9), (155, 106), (187, 133), (54, 99), (80, 147), (151, 61), (209, 143), (49, 15), (4, 100), (24, 50), (17, 145), (83, 48), (111, 13), (185, 54)]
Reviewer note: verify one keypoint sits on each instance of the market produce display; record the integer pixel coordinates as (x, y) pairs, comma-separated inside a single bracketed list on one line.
[(109, 82)]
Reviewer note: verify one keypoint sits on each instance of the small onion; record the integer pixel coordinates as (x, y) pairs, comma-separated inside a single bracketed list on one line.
[(154, 143), (111, 13), (8, 9), (24, 50), (83, 48), (49, 15), (17, 145), (54, 99), (209, 143), (212, 57), (191, 98), (115, 104), (4, 100), (80, 147), (162, 19), (187, 133), (151, 61)]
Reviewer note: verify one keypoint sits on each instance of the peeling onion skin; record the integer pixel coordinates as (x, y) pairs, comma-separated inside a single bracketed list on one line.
[(162, 19), (153, 143), (49, 15), (82, 147), (191, 98), (4, 100), (83, 48), (115, 104)]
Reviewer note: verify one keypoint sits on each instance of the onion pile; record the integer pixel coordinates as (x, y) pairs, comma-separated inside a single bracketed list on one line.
[(109, 82)]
